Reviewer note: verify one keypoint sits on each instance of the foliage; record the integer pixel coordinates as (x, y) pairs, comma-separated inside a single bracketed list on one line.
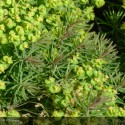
[(52, 65), (68, 75), (113, 24), (78, 90)]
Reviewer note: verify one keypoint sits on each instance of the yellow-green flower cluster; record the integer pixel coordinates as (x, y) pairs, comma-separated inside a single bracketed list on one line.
[(89, 13), (4, 63), (53, 20), (53, 3), (53, 88), (115, 111), (2, 85), (98, 3), (20, 22), (62, 11), (10, 113), (89, 82)]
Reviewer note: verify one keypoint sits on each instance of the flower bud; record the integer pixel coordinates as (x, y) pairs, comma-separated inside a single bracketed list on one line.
[(10, 23), (20, 30), (8, 2), (55, 89), (8, 59), (98, 3), (13, 113), (2, 85), (23, 46), (56, 113)]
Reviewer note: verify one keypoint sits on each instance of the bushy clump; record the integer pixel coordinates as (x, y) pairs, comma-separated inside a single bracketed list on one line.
[(23, 22), (69, 72), (72, 79), (84, 86)]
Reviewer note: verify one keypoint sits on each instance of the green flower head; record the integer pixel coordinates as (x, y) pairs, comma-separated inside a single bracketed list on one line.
[(2, 85)]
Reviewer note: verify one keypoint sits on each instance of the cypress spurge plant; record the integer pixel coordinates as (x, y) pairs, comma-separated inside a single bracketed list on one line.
[(81, 83), (79, 78), (69, 72)]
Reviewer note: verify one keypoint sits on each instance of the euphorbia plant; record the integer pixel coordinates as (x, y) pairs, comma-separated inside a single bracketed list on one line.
[(85, 86), (78, 81), (70, 67)]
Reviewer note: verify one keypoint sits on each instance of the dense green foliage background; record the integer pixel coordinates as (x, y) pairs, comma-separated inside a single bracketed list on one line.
[(60, 58)]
